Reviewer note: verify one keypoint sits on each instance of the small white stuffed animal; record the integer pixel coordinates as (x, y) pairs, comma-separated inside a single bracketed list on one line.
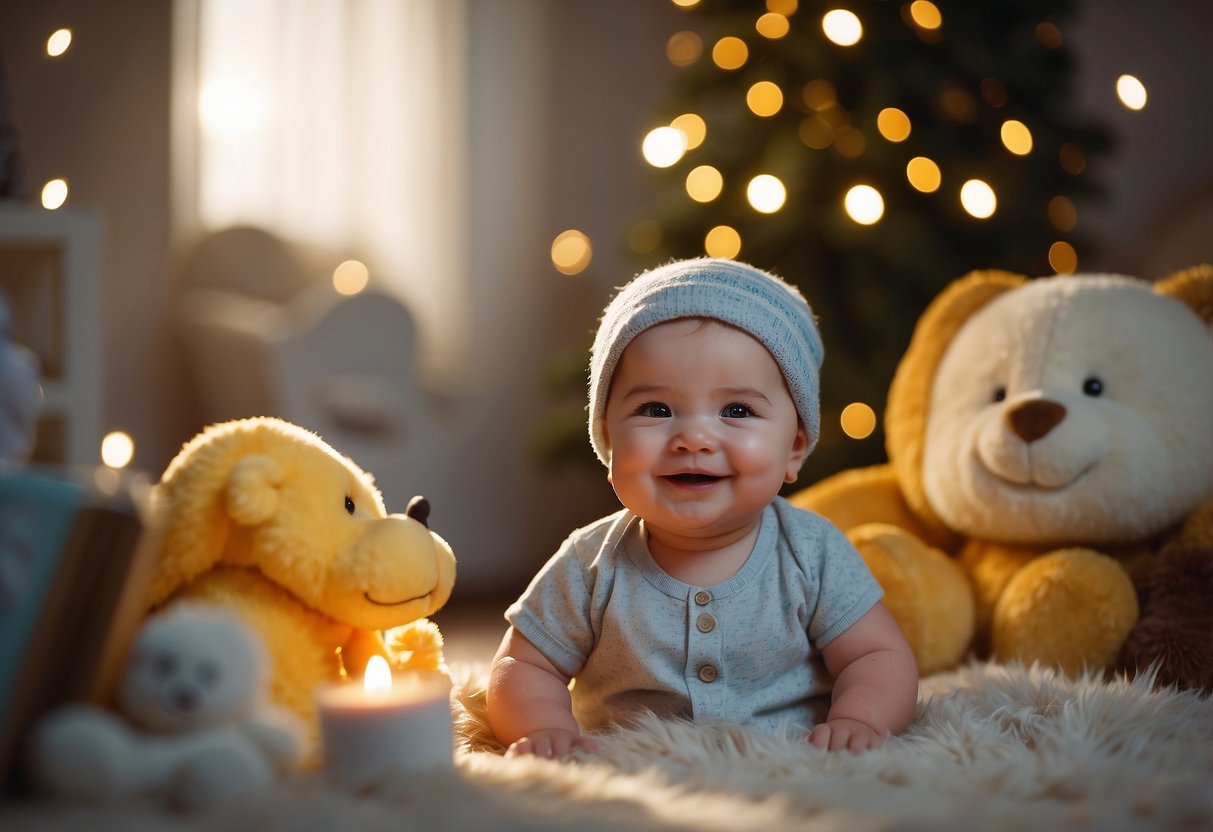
[(199, 728)]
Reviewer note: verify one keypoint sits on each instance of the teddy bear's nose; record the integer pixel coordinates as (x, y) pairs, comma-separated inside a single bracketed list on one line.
[(1033, 420), (184, 700)]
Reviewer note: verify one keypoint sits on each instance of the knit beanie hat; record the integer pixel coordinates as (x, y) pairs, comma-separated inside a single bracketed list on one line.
[(760, 304)]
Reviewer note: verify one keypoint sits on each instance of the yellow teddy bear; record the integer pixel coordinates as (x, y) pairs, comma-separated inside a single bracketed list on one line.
[(265, 518), (1050, 445)]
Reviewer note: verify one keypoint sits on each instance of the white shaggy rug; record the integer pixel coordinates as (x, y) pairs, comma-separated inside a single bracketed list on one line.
[(991, 748)]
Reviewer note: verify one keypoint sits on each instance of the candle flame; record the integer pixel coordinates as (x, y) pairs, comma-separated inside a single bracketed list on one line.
[(378, 678)]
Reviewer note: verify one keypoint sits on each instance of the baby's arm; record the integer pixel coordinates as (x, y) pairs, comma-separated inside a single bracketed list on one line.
[(530, 709), (875, 684)]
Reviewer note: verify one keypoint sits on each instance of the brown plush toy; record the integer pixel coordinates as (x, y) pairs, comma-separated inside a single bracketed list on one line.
[(1047, 440), (266, 519)]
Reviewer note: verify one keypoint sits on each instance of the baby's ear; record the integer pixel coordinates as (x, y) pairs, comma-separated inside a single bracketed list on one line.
[(797, 455), (252, 489)]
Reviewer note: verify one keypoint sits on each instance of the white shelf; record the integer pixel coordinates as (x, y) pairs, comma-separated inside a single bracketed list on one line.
[(52, 271)]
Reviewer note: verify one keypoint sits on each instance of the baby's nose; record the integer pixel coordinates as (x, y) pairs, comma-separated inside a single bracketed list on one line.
[(694, 435)]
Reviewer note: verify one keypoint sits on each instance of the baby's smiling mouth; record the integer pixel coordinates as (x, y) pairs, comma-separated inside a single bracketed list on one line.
[(692, 478)]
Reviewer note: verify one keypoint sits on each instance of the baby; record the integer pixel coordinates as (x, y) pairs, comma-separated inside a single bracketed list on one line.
[(708, 596)]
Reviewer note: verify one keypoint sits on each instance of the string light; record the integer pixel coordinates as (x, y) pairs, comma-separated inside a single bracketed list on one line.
[(351, 277), (730, 53), (772, 25), (571, 252), (1016, 137), (722, 241), (842, 27), (858, 420), (925, 15), (923, 174), (864, 204), (1131, 92), (764, 98), (117, 449), (685, 4), (54, 194), (664, 146), (693, 127), (978, 198), (766, 193), (893, 124), (1063, 258), (704, 183), (58, 42), (787, 8)]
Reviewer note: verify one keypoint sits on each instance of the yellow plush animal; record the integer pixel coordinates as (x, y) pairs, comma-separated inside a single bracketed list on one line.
[(264, 517), (1047, 439)]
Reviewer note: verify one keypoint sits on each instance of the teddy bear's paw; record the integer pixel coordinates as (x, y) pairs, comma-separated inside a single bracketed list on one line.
[(926, 592), (1071, 609), (82, 753), (217, 773), (415, 646)]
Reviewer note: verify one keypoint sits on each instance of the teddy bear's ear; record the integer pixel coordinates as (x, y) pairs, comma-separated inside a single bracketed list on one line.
[(910, 391), (252, 489), (1194, 287)]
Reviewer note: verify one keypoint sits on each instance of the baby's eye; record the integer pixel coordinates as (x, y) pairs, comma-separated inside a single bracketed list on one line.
[(1000, 393), (654, 410), (735, 411)]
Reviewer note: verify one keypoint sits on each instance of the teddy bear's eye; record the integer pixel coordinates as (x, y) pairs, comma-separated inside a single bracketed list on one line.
[(349, 506), (1093, 386), (1000, 393), (164, 664), (208, 674)]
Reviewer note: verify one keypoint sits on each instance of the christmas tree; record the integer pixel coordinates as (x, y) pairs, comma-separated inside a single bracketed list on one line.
[(870, 153)]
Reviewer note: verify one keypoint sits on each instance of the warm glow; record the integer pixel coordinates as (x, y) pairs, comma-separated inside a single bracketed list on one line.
[(978, 199), (571, 252), (1131, 91), (722, 241), (351, 277), (925, 14), (864, 204), (820, 94), (1016, 137), (842, 27), (730, 53), (54, 194), (924, 175), (117, 449), (644, 236), (766, 193), (58, 42), (1073, 160), (378, 678), (1063, 258), (664, 146), (704, 183), (1062, 213), (683, 48), (693, 127), (849, 142), (764, 98), (1048, 35), (858, 420), (893, 124), (232, 107), (787, 8), (816, 133), (772, 25)]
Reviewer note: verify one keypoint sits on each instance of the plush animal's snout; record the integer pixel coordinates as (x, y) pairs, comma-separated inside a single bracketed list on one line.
[(1033, 420), (419, 510)]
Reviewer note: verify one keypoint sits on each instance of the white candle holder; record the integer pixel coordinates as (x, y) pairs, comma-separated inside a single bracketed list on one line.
[(391, 724)]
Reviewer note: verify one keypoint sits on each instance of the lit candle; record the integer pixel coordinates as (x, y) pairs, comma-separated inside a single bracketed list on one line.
[(391, 724)]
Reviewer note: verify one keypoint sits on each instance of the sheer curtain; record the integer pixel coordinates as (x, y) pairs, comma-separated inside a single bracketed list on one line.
[(339, 124)]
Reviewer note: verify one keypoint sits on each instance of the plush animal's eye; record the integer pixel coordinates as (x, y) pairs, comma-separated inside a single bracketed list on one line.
[(1093, 386), (349, 506), (164, 664), (209, 673), (1000, 393)]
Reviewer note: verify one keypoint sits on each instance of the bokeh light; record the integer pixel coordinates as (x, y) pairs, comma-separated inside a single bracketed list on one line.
[(978, 198), (893, 124), (351, 277), (787, 8), (1063, 258), (730, 53), (1073, 161), (925, 14), (54, 194), (858, 420), (766, 193), (693, 127), (1131, 92), (571, 252), (842, 27), (704, 183), (1062, 214), (864, 204), (722, 241), (924, 175), (58, 42), (683, 48), (772, 25), (664, 146), (117, 449), (1016, 137), (764, 98)]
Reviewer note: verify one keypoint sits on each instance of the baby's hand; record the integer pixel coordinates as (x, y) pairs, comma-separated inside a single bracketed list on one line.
[(552, 743), (837, 734)]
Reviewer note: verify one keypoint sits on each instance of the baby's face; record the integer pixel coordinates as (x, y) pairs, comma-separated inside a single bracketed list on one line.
[(702, 429)]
